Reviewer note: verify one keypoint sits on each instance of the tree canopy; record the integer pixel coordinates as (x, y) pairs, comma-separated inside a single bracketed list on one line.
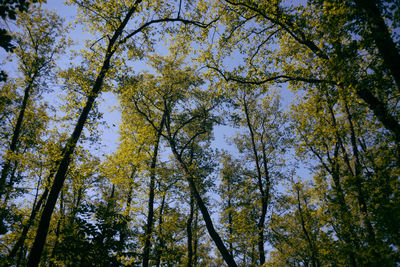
[(306, 96)]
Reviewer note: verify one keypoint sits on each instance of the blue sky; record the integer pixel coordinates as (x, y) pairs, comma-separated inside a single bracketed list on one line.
[(108, 103)]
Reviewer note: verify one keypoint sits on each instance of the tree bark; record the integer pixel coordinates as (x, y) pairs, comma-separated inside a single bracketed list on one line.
[(41, 234)]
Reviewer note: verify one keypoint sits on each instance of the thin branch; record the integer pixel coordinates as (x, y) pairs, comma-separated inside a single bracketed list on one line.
[(262, 44), (155, 21), (284, 78), (190, 141), (298, 35), (180, 7)]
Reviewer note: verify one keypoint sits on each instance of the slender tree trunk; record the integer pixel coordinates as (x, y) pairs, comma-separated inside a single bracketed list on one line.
[(314, 254), (204, 211), (264, 196), (16, 134), (41, 234), (123, 233), (8, 187), (150, 215), (361, 197), (160, 237), (58, 229), (348, 232), (189, 232), (196, 237), (230, 218), (357, 175), (35, 210), (20, 259), (380, 34)]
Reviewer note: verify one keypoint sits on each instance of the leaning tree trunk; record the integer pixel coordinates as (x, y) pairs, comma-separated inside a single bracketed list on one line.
[(21, 239), (41, 234), (380, 34), (203, 209), (16, 134)]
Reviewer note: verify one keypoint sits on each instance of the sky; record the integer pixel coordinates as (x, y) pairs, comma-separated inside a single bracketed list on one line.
[(108, 102)]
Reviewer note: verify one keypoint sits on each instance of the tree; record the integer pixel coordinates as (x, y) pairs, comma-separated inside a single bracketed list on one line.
[(341, 148), (296, 230), (40, 43), (65, 201), (264, 146), (41, 40), (184, 128), (8, 11), (308, 44), (115, 27), (240, 210)]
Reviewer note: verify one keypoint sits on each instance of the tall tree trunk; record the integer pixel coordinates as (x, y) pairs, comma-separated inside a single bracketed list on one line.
[(348, 232), (204, 211), (16, 134), (8, 187), (380, 34), (314, 254), (230, 217), (58, 229), (361, 197), (160, 237), (196, 237), (150, 214), (35, 210), (264, 196), (189, 231), (123, 232), (41, 234)]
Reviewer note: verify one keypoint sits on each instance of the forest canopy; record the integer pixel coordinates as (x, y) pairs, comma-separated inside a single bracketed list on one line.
[(242, 133)]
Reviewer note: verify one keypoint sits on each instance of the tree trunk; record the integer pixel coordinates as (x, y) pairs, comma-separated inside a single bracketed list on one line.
[(160, 237), (189, 232), (350, 237), (264, 196), (380, 34), (204, 211), (58, 229), (16, 133), (314, 254), (150, 214), (196, 237), (41, 234), (35, 210)]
